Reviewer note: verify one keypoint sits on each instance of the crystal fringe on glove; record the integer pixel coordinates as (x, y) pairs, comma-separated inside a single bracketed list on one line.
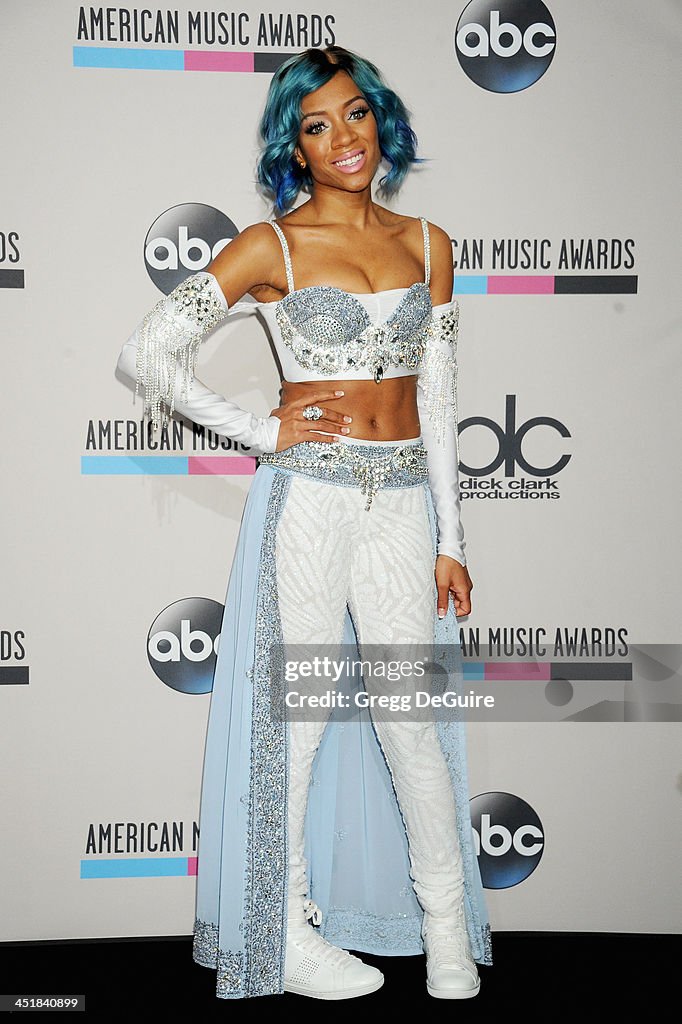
[(173, 330), (438, 373), (160, 356)]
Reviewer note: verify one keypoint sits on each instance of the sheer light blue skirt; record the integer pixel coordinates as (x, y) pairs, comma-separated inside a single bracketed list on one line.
[(362, 884)]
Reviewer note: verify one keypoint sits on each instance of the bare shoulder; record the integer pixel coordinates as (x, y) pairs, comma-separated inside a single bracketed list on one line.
[(441, 244), (439, 239), (248, 261), (299, 215), (442, 272), (258, 238)]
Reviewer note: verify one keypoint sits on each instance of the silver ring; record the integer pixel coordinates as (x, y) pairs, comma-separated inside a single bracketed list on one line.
[(313, 412)]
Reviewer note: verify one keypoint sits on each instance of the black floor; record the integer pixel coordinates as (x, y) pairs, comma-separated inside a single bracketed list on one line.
[(533, 972)]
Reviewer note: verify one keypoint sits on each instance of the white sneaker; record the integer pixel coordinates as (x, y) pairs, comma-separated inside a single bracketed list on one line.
[(450, 969), (313, 967)]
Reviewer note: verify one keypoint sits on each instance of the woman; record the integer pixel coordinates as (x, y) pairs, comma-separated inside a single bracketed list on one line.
[(351, 534)]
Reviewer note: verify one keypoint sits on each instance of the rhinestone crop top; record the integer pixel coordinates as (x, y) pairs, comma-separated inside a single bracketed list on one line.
[(322, 331)]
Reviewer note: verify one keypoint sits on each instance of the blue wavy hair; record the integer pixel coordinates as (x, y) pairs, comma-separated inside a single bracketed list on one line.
[(277, 171)]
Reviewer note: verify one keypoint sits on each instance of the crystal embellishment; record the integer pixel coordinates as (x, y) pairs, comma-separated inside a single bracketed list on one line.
[(170, 335), (348, 465), (438, 374), (329, 331)]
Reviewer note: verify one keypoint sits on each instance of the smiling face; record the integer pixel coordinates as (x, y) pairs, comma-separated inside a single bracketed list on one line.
[(338, 138)]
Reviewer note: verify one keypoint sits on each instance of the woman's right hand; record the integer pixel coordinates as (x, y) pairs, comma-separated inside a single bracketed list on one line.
[(295, 428)]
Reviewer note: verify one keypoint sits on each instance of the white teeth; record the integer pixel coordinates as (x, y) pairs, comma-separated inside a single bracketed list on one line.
[(348, 163)]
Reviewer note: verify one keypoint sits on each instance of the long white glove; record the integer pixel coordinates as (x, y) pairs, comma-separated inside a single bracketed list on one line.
[(160, 356), (437, 407)]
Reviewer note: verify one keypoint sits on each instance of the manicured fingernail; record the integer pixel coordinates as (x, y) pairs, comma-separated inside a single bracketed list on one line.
[(339, 392), (345, 430), (441, 613), (347, 419)]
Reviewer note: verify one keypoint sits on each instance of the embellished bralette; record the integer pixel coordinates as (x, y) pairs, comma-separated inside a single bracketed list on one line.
[(318, 331), (324, 331)]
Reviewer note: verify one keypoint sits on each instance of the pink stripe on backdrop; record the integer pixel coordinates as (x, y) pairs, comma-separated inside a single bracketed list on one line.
[(192, 865), (209, 60), (531, 670), (221, 465), (520, 285)]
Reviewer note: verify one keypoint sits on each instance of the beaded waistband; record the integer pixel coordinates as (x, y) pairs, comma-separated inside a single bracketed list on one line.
[(354, 465)]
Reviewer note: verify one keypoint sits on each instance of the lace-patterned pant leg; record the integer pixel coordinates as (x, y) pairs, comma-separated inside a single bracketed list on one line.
[(392, 600), (312, 560)]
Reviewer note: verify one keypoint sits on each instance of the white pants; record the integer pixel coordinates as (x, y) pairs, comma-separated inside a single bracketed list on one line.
[(331, 551)]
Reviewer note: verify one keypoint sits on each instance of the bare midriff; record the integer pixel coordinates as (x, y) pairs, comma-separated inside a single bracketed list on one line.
[(380, 412)]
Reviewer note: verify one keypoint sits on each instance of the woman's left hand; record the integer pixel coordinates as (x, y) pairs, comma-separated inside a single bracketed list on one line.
[(453, 578)]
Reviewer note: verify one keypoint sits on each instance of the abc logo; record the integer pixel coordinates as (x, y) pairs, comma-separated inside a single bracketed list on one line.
[(505, 46), (510, 439), (183, 643), (509, 838), (184, 240)]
